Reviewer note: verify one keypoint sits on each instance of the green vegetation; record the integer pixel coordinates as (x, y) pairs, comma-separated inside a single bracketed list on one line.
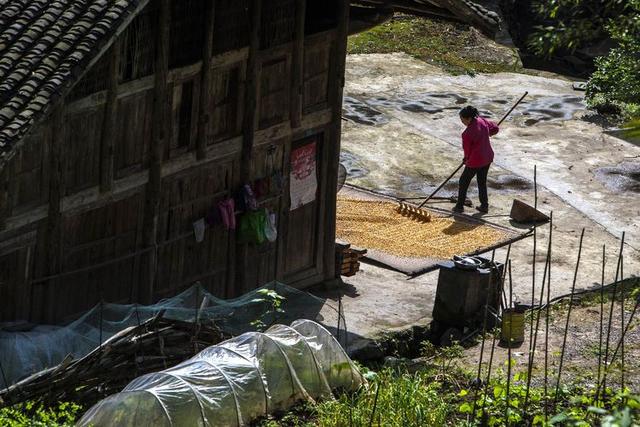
[(448, 45), (36, 415), (614, 87), (442, 393)]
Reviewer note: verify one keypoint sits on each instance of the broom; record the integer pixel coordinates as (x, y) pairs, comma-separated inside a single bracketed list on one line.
[(420, 214)]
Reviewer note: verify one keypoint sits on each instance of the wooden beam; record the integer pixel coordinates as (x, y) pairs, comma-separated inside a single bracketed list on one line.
[(251, 92), (54, 214), (4, 197), (160, 133), (107, 139), (333, 142), (205, 83), (297, 83), (56, 191), (250, 119)]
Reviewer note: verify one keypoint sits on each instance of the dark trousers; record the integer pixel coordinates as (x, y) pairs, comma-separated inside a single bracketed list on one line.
[(465, 180)]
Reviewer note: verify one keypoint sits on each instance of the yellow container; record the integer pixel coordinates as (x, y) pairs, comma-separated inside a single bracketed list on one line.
[(512, 329)]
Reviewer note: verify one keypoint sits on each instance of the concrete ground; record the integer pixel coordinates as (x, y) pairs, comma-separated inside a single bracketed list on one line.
[(402, 137)]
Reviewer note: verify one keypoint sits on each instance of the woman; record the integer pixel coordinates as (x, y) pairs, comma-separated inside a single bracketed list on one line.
[(478, 156)]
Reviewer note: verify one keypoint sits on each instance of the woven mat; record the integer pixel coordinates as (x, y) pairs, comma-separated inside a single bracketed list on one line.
[(370, 221)]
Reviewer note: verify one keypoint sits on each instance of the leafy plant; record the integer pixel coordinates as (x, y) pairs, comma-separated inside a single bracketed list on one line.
[(614, 87), (37, 415), (273, 301), (444, 357), (403, 399)]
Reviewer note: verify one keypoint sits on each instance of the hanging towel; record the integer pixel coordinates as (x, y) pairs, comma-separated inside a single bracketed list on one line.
[(198, 229), (271, 227), (227, 208)]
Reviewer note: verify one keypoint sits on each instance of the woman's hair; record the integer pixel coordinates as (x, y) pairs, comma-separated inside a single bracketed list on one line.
[(469, 112)]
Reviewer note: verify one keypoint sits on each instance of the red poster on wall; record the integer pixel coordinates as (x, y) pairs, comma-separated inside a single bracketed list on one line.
[(303, 179)]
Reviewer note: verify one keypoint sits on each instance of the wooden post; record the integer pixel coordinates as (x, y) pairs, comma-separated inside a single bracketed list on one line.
[(205, 85), (250, 119), (158, 140), (251, 92), (54, 217), (4, 196), (297, 84), (333, 142), (107, 139)]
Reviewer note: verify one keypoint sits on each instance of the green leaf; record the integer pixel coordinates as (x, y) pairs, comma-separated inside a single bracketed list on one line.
[(465, 408), (597, 410)]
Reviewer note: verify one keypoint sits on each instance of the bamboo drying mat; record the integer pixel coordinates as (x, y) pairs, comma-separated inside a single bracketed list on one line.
[(369, 221)]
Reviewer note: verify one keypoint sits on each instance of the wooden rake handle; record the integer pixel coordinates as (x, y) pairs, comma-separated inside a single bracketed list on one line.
[(462, 164), (441, 185)]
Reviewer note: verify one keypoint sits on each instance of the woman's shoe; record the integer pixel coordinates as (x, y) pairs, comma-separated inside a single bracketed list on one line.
[(457, 209), (483, 209)]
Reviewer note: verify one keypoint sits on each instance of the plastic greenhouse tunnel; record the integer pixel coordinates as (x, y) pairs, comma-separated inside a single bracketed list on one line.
[(235, 382)]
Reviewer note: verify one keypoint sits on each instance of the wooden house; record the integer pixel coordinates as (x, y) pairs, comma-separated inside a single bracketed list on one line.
[(124, 123)]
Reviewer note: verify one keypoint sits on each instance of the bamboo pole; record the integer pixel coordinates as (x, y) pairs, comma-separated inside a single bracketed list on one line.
[(507, 403), (532, 353), (618, 346), (613, 300), (604, 249), (493, 343), (622, 323), (566, 327), (484, 332), (546, 334)]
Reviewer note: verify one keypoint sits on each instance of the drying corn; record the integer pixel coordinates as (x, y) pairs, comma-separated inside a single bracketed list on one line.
[(378, 225)]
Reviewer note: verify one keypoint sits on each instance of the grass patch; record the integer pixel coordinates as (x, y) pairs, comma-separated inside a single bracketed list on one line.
[(458, 48)]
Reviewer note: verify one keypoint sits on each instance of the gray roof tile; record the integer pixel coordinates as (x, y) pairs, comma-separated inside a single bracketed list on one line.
[(44, 46)]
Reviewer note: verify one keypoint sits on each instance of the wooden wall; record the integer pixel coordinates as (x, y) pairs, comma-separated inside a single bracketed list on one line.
[(80, 192)]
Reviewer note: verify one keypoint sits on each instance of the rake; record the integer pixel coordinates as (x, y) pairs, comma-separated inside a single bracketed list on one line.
[(416, 212)]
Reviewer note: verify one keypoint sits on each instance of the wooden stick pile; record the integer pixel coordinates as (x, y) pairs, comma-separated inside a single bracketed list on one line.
[(152, 346), (348, 259)]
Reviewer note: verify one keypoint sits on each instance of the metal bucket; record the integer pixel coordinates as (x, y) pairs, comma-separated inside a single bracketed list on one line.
[(512, 329)]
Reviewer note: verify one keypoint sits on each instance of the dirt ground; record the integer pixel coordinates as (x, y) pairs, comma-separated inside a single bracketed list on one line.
[(580, 362), (401, 137)]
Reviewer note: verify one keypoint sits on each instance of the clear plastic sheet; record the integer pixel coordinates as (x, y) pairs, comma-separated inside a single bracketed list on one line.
[(235, 382), (25, 353)]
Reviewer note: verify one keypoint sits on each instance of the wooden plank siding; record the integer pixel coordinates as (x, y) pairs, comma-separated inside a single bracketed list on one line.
[(102, 205)]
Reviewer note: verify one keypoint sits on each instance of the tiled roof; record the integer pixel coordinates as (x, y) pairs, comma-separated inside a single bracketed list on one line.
[(45, 46)]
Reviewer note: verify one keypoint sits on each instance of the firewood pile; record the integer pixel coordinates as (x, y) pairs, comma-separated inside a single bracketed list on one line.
[(152, 346), (348, 259)]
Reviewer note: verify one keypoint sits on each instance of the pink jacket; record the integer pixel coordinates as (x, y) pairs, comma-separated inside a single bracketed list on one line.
[(476, 144)]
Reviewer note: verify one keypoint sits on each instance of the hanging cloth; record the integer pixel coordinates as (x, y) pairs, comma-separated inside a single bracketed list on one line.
[(198, 229), (271, 227), (226, 208)]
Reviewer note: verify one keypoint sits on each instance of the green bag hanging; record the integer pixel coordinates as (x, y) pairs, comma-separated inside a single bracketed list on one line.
[(252, 226)]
